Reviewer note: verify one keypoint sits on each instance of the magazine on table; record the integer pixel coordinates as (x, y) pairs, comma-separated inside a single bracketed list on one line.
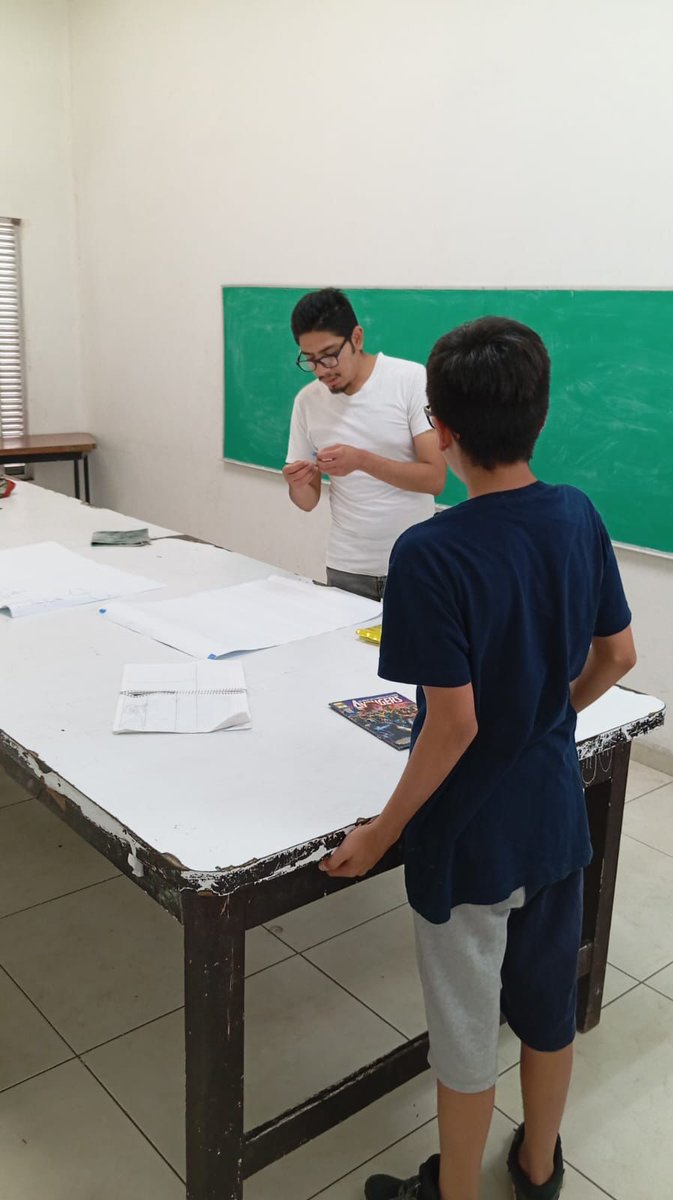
[(389, 716)]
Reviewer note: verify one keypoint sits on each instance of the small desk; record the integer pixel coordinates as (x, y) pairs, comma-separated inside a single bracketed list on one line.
[(225, 838), (51, 447)]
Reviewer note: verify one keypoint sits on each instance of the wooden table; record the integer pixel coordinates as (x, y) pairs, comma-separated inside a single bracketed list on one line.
[(51, 447), (225, 839)]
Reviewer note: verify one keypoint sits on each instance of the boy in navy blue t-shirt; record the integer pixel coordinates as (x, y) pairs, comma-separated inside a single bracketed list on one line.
[(509, 614)]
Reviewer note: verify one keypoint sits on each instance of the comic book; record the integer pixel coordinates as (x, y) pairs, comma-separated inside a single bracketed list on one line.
[(388, 716)]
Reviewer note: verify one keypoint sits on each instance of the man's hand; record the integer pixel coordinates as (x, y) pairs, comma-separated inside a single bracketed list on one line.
[(360, 850), (300, 472), (340, 460)]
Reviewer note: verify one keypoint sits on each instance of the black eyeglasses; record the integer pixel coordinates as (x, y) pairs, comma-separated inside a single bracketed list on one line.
[(306, 363), (428, 412)]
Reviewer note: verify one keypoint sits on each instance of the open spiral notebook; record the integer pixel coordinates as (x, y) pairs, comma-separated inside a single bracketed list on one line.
[(195, 697)]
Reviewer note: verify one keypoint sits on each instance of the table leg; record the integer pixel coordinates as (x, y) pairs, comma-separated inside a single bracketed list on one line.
[(606, 812), (75, 464), (214, 972), (85, 464)]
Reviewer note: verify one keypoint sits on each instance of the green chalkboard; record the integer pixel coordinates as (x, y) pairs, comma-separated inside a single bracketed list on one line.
[(610, 429)]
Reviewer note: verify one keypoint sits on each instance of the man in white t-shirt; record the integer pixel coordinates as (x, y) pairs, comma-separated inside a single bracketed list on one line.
[(362, 422)]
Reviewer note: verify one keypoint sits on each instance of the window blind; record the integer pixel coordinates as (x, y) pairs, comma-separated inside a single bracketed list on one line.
[(12, 395)]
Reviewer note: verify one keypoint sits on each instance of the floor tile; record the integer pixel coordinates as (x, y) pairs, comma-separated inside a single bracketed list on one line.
[(302, 1033), (145, 1072), (377, 963), (63, 1138), (341, 911), (649, 819), (28, 1044), (10, 792), (641, 940), (262, 950), (616, 984), (642, 779), (663, 982), (96, 963), (617, 1125), (403, 1159), (42, 858)]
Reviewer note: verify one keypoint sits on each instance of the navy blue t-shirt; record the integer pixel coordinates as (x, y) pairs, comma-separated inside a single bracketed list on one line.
[(504, 591)]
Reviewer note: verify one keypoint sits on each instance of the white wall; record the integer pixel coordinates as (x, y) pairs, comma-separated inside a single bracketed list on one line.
[(368, 143), (36, 185)]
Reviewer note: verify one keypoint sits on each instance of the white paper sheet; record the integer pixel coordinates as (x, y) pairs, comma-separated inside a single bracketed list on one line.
[(44, 576), (198, 697), (250, 616)]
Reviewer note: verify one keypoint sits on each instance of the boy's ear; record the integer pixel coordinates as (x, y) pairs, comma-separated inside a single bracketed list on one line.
[(445, 435), (358, 337)]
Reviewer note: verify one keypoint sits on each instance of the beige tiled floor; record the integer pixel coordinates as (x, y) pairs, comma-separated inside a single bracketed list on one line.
[(91, 1038)]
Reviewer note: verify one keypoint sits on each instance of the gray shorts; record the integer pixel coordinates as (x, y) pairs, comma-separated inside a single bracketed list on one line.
[(459, 964), (518, 957)]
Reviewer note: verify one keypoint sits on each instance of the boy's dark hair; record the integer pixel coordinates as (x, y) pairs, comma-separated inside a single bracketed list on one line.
[(488, 381), (327, 309)]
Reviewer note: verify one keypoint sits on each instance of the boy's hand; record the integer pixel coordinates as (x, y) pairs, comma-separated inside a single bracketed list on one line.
[(360, 850), (340, 460), (300, 472)]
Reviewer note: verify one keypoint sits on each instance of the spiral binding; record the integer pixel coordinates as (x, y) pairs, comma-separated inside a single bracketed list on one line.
[(184, 692)]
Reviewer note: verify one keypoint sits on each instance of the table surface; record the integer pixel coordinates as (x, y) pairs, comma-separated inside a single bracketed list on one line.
[(215, 801), (48, 443)]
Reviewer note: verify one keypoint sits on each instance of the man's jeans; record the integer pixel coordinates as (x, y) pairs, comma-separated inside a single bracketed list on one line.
[(371, 586)]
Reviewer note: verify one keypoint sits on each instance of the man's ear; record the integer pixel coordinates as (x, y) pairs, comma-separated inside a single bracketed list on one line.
[(358, 337)]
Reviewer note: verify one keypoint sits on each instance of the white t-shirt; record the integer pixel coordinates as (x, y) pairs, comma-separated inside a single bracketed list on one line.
[(384, 416)]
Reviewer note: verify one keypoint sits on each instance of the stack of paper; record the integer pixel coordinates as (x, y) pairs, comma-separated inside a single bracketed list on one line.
[(45, 576), (197, 697), (250, 616)]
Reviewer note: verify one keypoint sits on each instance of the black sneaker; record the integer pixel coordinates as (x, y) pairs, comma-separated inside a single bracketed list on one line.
[(424, 1186), (523, 1188)]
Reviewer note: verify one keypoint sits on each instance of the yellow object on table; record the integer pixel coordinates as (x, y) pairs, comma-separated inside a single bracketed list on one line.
[(371, 634)]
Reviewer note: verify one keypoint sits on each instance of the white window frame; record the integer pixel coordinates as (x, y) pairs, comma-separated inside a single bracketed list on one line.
[(13, 419)]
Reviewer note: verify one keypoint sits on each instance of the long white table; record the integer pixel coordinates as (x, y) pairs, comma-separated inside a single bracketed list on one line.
[(225, 830)]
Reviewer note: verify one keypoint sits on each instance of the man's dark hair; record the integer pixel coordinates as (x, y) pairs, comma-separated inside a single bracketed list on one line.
[(488, 381), (327, 309)]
